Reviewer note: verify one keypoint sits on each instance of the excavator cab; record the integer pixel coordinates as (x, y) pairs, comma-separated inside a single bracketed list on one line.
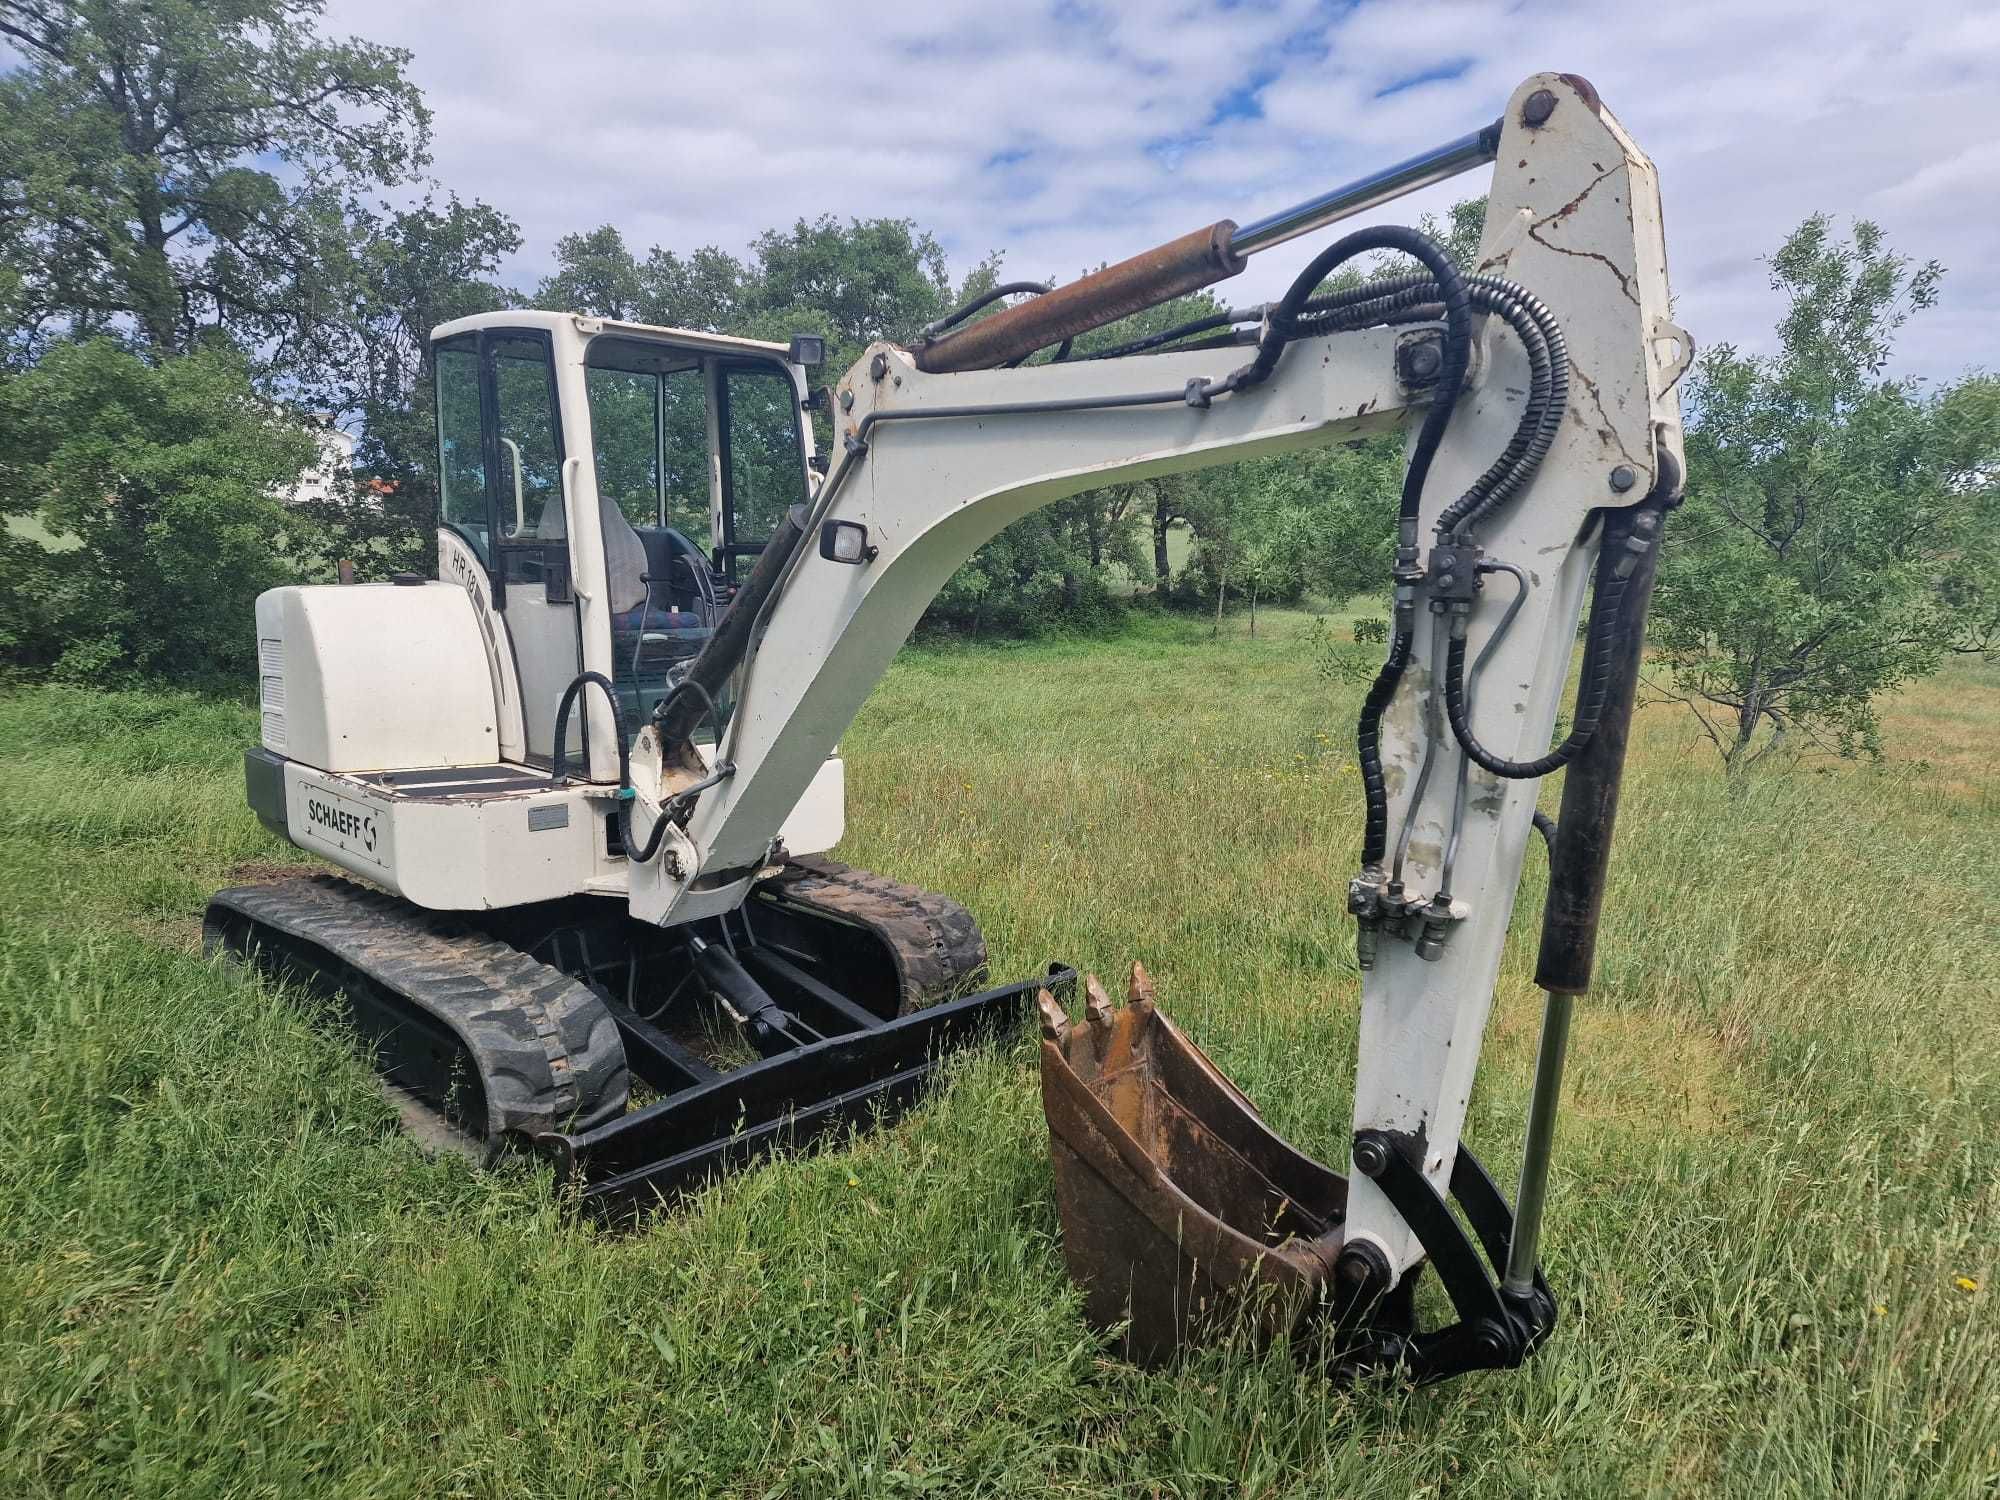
[(692, 448)]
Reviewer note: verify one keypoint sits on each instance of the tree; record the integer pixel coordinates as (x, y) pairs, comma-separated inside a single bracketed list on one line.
[(414, 269), (1837, 538), (185, 167), (857, 282), (152, 486), (595, 274), (705, 291)]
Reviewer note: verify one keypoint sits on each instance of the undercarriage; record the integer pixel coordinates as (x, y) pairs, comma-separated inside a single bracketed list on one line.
[(646, 1060)]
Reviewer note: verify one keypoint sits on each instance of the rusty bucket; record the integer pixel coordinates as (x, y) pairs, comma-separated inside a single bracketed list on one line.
[(1185, 1218)]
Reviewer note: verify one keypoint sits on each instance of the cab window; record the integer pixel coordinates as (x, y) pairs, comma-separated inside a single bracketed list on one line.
[(461, 458), (763, 464), (624, 424), (684, 450), (531, 497)]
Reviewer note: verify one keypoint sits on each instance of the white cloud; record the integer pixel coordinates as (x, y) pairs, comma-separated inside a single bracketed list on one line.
[(694, 124)]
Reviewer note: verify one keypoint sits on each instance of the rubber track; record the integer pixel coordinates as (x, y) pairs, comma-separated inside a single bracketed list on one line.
[(940, 954), (547, 1051)]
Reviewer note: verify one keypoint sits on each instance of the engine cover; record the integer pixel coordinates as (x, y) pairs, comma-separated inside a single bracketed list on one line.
[(374, 677)]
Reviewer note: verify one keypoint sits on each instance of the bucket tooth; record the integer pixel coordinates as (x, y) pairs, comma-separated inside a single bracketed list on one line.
[(1140, 987), (1096, 1003), (1055, 1020), (1185, 1218)]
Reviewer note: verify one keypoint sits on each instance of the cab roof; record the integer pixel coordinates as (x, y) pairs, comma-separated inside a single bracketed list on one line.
[(588, 327)]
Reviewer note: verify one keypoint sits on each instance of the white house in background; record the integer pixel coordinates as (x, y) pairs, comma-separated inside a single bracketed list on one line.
[(332, 472)]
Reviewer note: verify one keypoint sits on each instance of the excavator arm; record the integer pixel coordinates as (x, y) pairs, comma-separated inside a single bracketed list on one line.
[(1545, 445)]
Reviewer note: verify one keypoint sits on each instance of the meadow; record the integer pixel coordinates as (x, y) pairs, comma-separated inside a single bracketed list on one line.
[(1776, 1198)]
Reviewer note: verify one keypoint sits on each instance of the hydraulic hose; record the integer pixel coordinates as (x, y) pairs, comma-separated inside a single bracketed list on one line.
[(1368, 749), (559, 766), (1617, 558), (1451, 379), (1410, 298), (1492, 645), (1280, 329)]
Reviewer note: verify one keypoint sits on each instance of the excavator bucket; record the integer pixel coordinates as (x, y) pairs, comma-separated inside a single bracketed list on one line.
[(1185, 1217)]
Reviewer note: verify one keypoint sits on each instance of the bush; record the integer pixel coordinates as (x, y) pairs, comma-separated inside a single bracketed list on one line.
[(1370, 632), (147, 491)]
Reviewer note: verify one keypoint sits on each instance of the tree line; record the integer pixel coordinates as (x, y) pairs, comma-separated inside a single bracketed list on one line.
[(214, 219)]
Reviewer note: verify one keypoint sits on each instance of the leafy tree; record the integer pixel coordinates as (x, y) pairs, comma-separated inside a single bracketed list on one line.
[(1838, 533), (706, 291), (414, 269), (183, 167), (595, 274), (152, 487), (868, 279)]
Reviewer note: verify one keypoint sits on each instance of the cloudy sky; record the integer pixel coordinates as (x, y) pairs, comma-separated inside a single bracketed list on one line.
[(1066, 134)]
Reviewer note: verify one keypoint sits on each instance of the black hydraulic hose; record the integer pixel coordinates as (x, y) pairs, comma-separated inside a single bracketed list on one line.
[(1546, 827), (559, 764), (1280, 330), (1224, 319), (1368, 745), (1548, 398), (1451, 378), (1606, 608), (1410, 298), (985, 299), (1492, 645)]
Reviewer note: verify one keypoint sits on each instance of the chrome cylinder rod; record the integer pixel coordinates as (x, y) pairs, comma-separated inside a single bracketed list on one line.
[(1364, 193), (1534, 1190)]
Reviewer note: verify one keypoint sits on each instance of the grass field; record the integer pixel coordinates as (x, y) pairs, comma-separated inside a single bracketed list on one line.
[(1777, 1197)]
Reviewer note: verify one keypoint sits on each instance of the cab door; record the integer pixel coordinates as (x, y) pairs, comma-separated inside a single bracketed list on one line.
[(510, 507)]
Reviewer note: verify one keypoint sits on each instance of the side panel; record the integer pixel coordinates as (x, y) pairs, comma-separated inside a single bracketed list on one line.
[(375, 676), (820, 819), (462, 854)]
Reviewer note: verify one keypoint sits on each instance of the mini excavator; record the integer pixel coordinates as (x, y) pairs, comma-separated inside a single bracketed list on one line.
[(581, 785)]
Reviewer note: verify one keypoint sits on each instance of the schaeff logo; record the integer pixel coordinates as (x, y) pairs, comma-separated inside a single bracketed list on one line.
[(338, 820)]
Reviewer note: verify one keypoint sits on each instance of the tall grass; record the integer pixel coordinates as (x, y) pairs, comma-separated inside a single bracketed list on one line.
[(222, 1271)]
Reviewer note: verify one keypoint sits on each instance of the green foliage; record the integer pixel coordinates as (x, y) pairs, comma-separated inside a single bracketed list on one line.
[(157, 481), (1838, 534), (136, 143), (415, 269), (595, 274)]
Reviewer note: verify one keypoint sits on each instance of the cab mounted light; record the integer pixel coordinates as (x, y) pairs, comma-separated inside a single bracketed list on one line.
[(808, 349), (846, 542)]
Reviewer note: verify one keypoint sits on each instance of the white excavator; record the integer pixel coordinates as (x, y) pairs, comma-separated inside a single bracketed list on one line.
[(582, 782)]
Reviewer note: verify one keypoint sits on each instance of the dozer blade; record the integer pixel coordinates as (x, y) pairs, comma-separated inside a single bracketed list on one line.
[(1185, 1218), (679, 1142)]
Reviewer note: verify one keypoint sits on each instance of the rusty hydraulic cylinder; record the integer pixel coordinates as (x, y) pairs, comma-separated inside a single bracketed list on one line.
[(1171, 270)]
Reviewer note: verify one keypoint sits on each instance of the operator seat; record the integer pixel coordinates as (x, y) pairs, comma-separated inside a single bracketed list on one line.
[(625, 562)]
